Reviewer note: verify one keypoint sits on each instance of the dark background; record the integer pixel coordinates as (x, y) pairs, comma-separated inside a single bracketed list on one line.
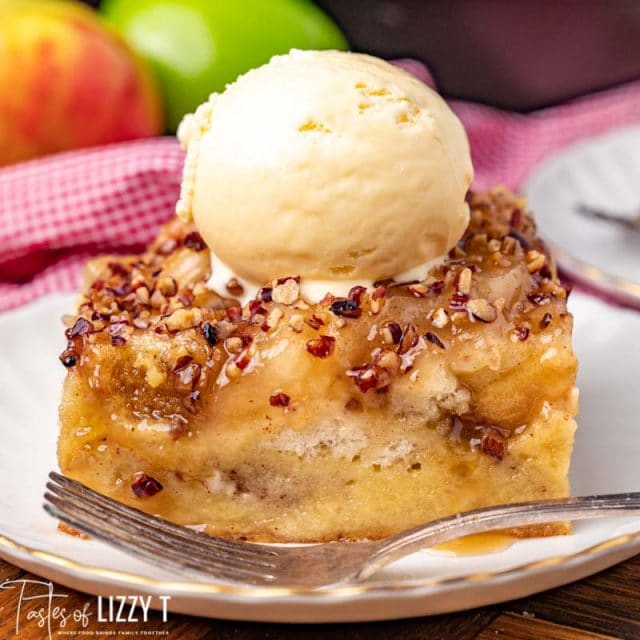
[(514, 54)]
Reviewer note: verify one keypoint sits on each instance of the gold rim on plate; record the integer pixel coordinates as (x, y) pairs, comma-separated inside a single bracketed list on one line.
[(55, 560)]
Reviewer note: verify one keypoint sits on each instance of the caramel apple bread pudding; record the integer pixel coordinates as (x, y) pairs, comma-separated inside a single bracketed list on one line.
[(335, 338)]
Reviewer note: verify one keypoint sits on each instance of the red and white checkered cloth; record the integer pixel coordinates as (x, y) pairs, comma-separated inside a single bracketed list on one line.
[(55, 212)]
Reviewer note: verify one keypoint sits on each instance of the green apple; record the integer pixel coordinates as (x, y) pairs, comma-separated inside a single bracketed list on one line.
[(196, 47)]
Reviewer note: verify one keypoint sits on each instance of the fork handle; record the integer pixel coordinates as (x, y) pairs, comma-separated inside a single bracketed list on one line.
[(608, 216), (502, 517)]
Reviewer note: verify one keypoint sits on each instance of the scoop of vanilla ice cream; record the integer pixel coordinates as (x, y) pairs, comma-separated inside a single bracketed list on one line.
[(327, 165)]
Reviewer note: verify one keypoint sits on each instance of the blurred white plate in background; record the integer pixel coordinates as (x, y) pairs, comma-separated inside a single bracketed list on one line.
[(602, 173)]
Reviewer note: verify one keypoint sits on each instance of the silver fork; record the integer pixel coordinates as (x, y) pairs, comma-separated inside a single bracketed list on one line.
[(311, 566), (629, 221)]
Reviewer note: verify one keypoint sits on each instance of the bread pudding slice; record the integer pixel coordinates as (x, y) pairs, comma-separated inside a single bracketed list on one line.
[(351, 418)]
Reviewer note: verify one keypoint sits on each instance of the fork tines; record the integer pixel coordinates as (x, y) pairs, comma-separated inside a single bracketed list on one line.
[(165, 544)]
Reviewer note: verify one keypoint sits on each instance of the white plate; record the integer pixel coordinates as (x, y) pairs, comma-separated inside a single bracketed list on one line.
[(602, 173), (606, 460)]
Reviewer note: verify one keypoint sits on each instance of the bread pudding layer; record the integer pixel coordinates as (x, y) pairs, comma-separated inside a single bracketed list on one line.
[(351, 418)]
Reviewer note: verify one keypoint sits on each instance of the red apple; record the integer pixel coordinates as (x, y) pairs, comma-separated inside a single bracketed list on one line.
[(68, 81)]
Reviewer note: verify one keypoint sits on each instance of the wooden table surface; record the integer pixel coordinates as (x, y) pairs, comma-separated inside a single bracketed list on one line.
[(606, 605)]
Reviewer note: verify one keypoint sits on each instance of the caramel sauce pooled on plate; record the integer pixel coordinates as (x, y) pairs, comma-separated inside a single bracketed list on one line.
[(477, 544)]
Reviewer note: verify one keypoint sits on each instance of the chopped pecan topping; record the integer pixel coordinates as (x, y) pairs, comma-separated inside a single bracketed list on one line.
[(524, 243), (535, 261), (210, 333), (190, 404), (155, 293), (314, 322), (234, 344), (464, 281), (193, 240), (186, 378), (482, 310), (370, 377), (409, 339), (146, 487), (388, 360), (167, 246), (141, 323), (273, 319), (234, 287), (285, 278), (118, 269), (436, 287), (493, 443), (256, 309), (321, 347), (539, 299), (234, 314), (157, 299), (180, 320), (167, 286), (296, 322), (377, 299), (279, 399), (459, 301), (346, 308), (546, 320), (419, 290), (182, 361), (81, 328), (440, 318), (243, 359), (356, 293), (392, 333), (545, 272), (286, 292), (142, 295), (433, 339), (327, 300)]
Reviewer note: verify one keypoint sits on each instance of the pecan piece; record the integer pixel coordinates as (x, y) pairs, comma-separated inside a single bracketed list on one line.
[(194, 241), (433, 339), (146, 487), (370, 377), (279, 399), (81, 328), (210, 333), (409, 339), (321, 347), (392, 333), (346, 308), (494, 444), (482, 310), (234, 287)]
